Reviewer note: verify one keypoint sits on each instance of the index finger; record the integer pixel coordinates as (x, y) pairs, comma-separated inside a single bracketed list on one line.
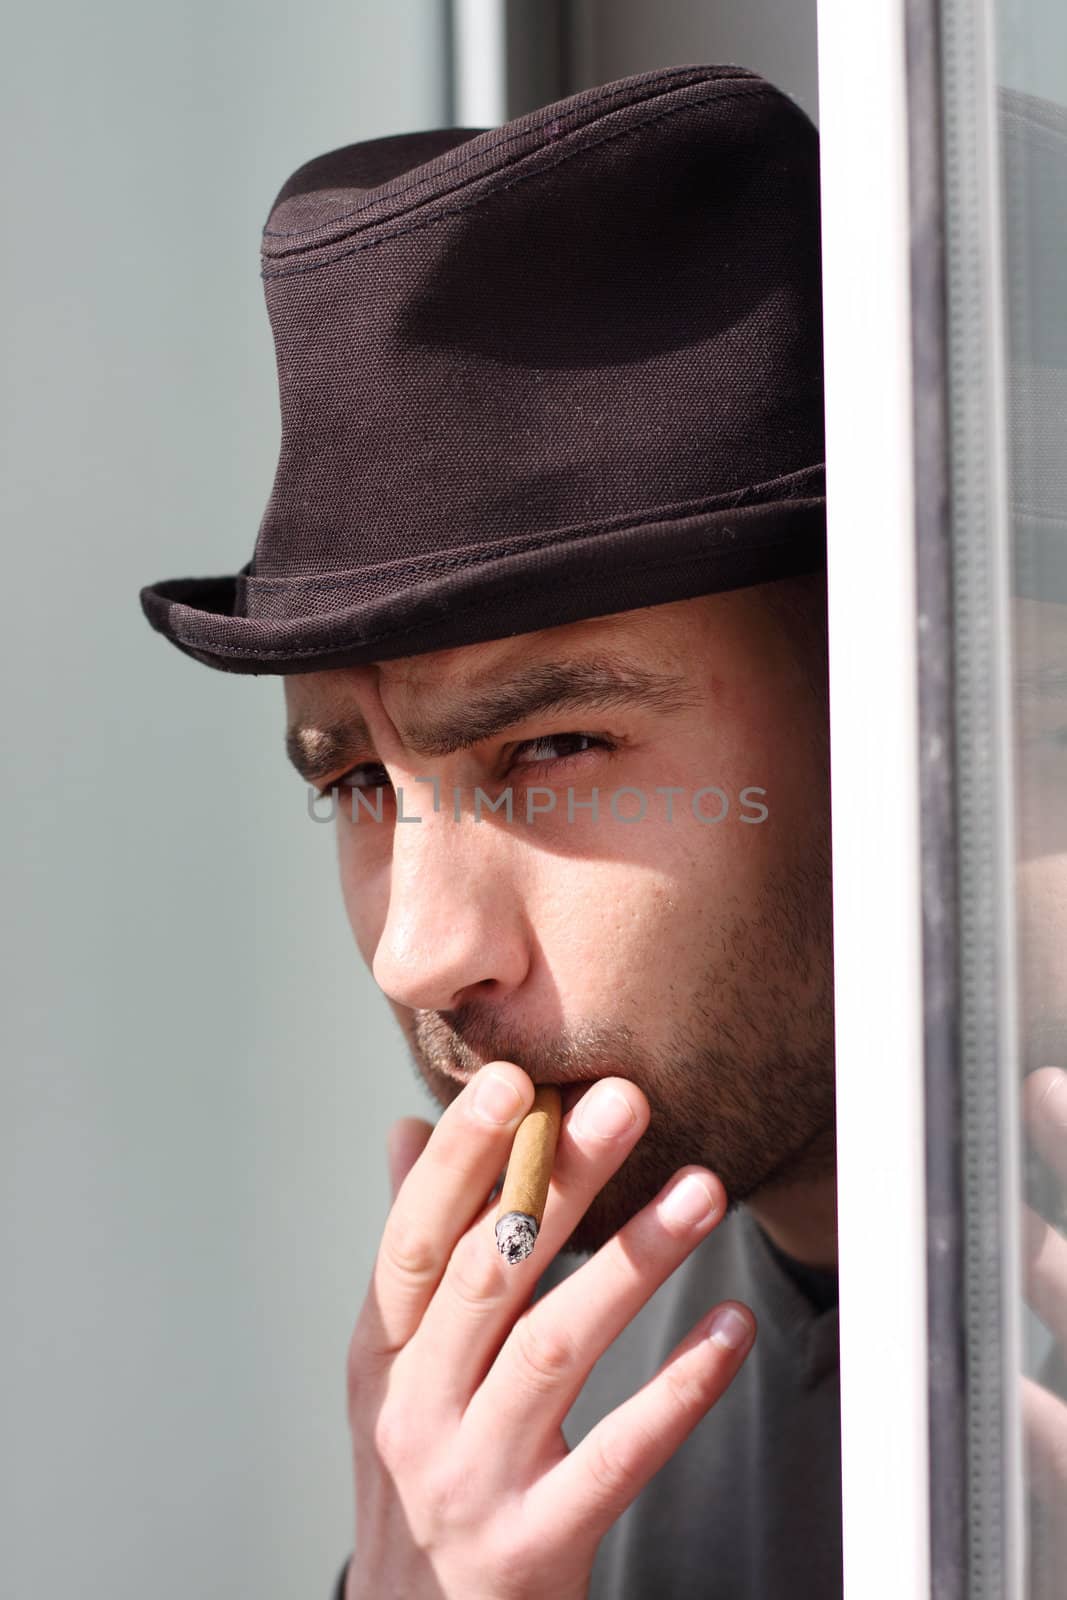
[(441, 1195)]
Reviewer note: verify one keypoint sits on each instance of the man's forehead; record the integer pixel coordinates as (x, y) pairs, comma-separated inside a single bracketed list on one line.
[(448, 674)]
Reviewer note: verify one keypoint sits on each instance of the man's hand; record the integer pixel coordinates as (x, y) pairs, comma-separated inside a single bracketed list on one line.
[(458, 1385)]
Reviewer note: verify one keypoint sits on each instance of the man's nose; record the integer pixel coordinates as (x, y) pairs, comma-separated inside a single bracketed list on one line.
[(454, 924)]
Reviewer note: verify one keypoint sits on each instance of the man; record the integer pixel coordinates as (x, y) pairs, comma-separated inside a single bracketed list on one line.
[(683, 965), (542, 572)]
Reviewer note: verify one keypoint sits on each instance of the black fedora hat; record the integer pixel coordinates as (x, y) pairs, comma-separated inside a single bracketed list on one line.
[(532, 374)]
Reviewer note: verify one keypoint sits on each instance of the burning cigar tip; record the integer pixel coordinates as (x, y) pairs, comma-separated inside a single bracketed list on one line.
[(516, 1234)]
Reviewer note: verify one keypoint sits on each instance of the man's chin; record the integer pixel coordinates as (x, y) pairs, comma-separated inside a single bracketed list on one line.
[(621, 1198), (651, 1165), (603, 1219)]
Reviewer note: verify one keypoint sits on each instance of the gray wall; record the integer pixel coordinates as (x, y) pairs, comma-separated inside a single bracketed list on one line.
[(197, 1073)]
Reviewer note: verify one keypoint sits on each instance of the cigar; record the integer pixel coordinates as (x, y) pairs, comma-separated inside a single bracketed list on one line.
[(525, 1190)]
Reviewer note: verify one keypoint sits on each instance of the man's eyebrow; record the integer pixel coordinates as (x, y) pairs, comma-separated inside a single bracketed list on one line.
[(317, 751), (591, 684)]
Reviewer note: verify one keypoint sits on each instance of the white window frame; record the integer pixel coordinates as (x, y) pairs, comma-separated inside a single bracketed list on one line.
[(875, 787)]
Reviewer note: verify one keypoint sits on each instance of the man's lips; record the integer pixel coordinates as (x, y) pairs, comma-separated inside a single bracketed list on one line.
[(571, 1091)]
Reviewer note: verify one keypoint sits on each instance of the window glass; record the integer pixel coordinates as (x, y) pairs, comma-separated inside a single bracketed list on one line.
[(1032, 124)]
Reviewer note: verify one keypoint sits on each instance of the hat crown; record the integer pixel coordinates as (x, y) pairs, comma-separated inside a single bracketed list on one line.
[(374, 180), (341, 185), (534, 373), (572, 323)]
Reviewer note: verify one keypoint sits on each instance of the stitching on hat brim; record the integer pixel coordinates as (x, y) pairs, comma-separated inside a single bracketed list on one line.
[(747, 91), (170, 625)]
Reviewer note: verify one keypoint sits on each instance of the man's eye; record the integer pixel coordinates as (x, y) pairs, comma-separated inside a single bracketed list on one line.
[(557, 747), (551, 747), (371, 775)]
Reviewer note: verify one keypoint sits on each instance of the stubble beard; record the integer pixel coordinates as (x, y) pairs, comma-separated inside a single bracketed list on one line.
[(745, 1086)]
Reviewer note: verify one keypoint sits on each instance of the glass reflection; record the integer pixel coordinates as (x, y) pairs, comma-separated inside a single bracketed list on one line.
[(1034, 191)]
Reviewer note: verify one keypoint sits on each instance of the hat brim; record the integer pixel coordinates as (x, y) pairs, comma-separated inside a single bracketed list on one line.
[(648, 564)]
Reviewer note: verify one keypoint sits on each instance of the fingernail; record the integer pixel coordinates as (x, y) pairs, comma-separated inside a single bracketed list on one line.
[(729, 1328), (688, 1203), (495, 1099), (605, 1113)]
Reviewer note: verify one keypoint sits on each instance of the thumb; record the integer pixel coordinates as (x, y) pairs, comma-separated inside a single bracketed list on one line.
[(405, 1142)]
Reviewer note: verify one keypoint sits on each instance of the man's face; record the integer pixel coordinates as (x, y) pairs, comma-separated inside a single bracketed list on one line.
[(690, 955)]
